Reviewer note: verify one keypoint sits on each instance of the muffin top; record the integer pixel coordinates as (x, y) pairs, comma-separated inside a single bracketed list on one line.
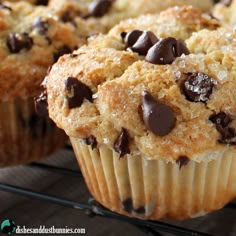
[(31, 39), (226, 11), (110, 12), (162, 86)]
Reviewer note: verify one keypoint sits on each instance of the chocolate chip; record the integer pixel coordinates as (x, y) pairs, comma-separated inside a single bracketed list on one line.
[(99, 8), (144, 43), (228, 136), (128, 205), (140, 210), (16, 42), (48, 40), (222, 122), (182, 161), (166, 51), (41, 104), (221, 119), (69, 16), (77, 92), (181, 48), (123, 34), (131, 38), (121, 144), (42, 2), (41, 25), (198, 87), (159, 118), (66, 16), (92, 141), (61, 51)]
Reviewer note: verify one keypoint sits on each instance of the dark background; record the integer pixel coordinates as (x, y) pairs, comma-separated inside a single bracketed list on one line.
[(33, 213)]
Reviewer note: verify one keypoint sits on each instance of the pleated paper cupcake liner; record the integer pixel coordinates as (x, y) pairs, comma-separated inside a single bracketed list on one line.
[(154, 189), (25, 136)]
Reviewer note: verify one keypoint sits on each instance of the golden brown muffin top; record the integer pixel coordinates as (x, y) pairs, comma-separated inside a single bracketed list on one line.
[(160, 85)]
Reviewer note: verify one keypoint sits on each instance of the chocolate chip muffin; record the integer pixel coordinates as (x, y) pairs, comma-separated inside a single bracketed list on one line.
[(107, 13), (226, 11), (150, 110), (31, 40)]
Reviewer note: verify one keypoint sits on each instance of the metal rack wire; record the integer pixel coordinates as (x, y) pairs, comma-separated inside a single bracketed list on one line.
[(92, 208)]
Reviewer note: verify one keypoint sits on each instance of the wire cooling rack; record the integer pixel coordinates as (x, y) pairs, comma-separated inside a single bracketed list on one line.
[(93, 208)]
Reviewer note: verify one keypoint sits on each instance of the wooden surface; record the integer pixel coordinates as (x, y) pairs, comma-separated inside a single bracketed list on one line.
[(33, 213)]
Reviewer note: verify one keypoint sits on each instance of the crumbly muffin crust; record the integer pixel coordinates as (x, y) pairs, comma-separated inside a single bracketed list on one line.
[(190, 95)]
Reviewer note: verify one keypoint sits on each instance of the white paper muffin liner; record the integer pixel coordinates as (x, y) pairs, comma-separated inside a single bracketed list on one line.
[(154, 189), (25, 136)]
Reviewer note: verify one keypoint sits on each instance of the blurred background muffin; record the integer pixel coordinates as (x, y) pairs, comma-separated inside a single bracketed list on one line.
[(32, 38)]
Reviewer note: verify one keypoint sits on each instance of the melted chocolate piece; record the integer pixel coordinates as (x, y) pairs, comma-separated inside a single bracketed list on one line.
[(77, 92), (41, 2), (198, 87), (16, 42), (128, 205), (123, 34), (48, 40), (166, 51), (41, 104), (99, 8), (159, 118), (146, 40), (140, 210), (69, 16), (181, 48), (41, 25), (222, 122), (221, 119), (61, 51), (228, 136), (121, 144), (92, 141), (131, 38), (182, 161)]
